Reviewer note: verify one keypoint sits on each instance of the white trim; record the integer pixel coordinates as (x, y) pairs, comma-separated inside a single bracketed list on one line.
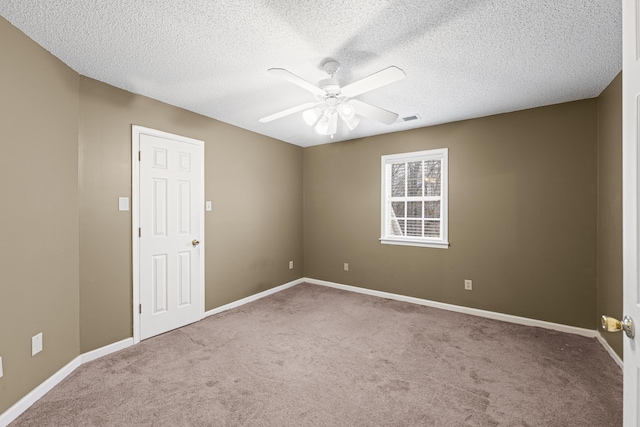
[(460, 309), (612, 353), (415, 156), (136, 131), (630, 206), (23, 404), (37, 393), (421, 243), (135, 224), (34, 395), (252, 298), (107, 349), (477, 312)]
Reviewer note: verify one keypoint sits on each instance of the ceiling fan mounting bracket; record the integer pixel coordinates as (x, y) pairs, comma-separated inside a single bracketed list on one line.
[(331, 66)]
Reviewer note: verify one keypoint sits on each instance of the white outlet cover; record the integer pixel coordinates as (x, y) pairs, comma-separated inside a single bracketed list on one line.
[(468, 285), (290, 265), (346, 266)]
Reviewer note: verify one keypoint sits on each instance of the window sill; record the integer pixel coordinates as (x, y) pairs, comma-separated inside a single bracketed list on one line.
[(409, 242)]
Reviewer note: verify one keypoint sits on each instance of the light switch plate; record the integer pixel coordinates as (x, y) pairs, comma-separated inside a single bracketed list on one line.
[(123, 203), (208, 205), (36, 344), (1, 373)]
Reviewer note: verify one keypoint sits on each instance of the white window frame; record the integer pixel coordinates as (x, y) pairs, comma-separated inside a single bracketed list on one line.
[(385, 237)]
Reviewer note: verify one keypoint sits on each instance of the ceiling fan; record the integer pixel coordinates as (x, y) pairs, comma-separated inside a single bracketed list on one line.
[(333, 102)]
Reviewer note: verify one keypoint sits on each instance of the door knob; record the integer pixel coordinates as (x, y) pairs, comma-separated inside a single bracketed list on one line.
[(195, 242), (610, 324)]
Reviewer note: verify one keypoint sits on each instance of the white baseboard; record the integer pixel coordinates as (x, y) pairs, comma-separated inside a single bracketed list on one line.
[(460, 309), (252, 298), (477, 312), (23, 404), (107, 349), (612, 353), (34, 395)]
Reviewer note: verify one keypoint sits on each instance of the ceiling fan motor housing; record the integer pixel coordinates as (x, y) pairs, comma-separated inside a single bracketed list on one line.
[(330, 86), (332, 95)]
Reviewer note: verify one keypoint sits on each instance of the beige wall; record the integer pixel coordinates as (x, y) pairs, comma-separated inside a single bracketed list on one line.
[(609, 296), (522, 215), (254, 230), (66, 248), (39, 213)]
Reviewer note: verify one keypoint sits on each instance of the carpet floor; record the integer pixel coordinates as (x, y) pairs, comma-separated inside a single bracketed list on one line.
[(317, 356)]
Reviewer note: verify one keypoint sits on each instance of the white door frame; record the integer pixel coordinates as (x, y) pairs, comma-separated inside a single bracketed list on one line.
[(136, 131), (630, 199)]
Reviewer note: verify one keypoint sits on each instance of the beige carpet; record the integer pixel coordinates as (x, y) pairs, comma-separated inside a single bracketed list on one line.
[(316, 356)]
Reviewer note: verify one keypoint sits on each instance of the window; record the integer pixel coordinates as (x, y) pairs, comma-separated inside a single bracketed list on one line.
[(414, 199)]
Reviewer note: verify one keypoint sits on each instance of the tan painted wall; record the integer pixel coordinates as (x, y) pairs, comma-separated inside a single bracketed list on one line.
[(609, 294), (39, 213), (522, 214), (254, 230), (66, 249)]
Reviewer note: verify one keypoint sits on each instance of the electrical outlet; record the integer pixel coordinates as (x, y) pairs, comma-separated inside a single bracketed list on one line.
[(1, 373), (468, 285), (36, 344), (346, 266), (290, 265)]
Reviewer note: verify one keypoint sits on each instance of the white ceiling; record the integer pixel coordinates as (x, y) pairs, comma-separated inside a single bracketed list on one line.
[(463, 58)]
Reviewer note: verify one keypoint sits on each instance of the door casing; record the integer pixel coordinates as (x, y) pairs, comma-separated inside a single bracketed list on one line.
[(630, 203)]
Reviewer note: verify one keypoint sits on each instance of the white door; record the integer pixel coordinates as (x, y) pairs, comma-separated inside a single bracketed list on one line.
[(630, 208), (171, 232)]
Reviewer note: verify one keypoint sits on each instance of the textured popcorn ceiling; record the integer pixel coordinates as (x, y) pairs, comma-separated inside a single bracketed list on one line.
[(463, 58)]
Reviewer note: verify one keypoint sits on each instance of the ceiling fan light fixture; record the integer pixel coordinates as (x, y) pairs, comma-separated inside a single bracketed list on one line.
[(328, 123), (311, 116), (346, 111), (352, 123), (322, 127)]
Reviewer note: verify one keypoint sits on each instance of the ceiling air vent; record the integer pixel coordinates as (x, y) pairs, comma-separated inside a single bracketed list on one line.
[(409, 118)]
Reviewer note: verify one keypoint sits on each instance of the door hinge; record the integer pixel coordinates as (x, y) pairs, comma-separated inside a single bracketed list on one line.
[(139, 232), (140, 309), (139, 156)]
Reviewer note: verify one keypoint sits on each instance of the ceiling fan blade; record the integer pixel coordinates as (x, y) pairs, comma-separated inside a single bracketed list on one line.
[(372, 112), (288, 112), (299, 81), (374, 81)]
